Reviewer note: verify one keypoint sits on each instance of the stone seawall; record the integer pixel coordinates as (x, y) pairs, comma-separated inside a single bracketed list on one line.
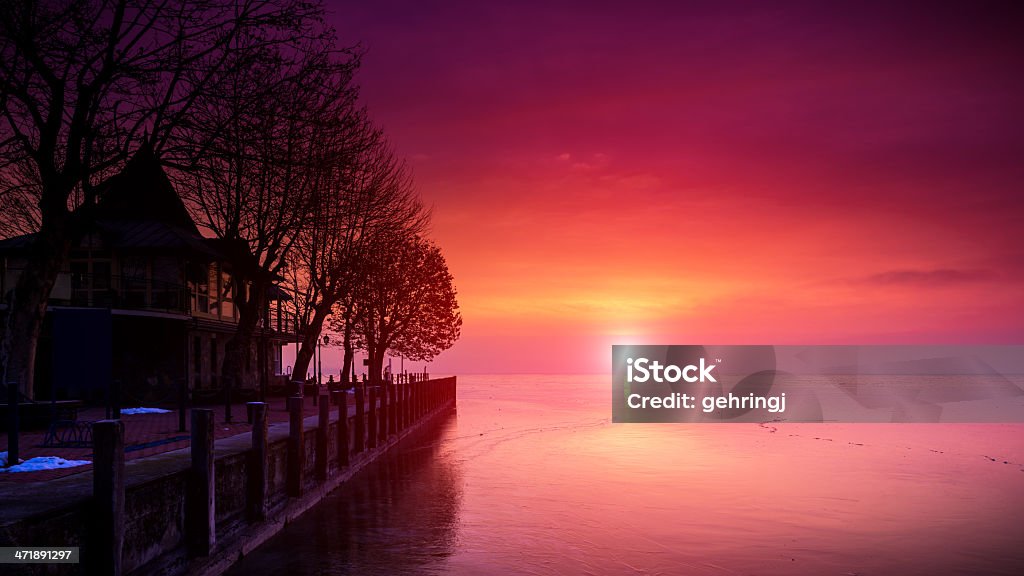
[(162, 497)]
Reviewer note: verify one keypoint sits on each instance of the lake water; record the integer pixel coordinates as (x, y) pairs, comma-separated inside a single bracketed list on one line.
[(531, 477)]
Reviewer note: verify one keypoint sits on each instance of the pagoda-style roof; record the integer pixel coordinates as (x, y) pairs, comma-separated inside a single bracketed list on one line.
[(139, 209), (143, 192)]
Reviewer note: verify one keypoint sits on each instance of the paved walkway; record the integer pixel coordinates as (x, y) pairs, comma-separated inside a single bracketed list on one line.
[(145, 435)]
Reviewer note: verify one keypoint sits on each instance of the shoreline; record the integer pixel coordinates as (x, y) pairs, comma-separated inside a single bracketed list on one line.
[(159, 490)]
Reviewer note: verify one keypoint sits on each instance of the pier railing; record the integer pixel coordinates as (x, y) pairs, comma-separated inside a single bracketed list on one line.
[(221, 494)]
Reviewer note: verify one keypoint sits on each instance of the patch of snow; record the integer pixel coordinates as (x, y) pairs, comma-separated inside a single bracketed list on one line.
[(130, 411), (3, 459), (43, 463)]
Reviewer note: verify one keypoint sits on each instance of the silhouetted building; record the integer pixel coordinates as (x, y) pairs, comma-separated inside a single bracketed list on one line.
[(145, 300)]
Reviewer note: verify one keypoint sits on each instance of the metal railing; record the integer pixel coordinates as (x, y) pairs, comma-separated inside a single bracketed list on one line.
[(123, 292), (283, 322), (144, 294)]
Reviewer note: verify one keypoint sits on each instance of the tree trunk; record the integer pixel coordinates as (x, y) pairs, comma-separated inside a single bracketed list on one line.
[(377, 354), (309, 340), (377, 368), (27, 308), (237, 367), (346, 369)]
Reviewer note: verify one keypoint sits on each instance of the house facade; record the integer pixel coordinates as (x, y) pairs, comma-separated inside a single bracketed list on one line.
[(146, 303)]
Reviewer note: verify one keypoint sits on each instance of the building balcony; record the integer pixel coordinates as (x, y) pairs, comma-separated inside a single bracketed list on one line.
[(120, 293), (145, 296)]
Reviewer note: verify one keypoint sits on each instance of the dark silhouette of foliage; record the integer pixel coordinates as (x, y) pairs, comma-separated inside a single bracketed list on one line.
[(358, 201), (407, 300)]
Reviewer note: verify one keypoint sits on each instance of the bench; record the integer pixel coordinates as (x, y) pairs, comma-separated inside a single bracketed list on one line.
[(69, 434)]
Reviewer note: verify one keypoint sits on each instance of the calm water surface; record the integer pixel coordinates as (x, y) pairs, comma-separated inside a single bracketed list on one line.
[(531, 477)]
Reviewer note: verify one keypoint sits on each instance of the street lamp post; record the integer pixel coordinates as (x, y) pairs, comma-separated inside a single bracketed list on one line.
[(320, 359)]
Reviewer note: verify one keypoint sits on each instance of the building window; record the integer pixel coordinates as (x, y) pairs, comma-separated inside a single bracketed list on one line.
[(277, 360), (214, 280), (90, 278), (198, 280), (133, 282), (165, 284), (227, 296)]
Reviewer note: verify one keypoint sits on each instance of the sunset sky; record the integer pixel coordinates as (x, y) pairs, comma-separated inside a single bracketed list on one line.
[(647, 172)]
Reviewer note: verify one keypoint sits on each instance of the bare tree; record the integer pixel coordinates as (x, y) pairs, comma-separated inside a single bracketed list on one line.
[(82, 84), (359, 201), (19, 197), (408, 301), (255, 159)]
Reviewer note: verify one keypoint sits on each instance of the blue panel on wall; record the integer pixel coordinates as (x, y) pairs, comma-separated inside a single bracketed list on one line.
[(82, 353)]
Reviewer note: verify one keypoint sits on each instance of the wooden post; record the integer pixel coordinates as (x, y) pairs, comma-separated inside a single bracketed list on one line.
[(360, 435), (400, 406), (256, 485), (199, 504), (413, 398), (392, 408), (13, 425), (323, 423), (386, 410), (341, 400), (392, 413), (107, 522), (408, 404), (412, 402), (382, 434), (296, 448), (371, 432)]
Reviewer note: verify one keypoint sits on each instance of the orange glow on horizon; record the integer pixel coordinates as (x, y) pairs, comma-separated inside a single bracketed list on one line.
[(770, 179)]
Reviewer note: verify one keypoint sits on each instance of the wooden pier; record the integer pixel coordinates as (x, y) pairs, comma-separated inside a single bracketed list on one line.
[(197, 511)]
